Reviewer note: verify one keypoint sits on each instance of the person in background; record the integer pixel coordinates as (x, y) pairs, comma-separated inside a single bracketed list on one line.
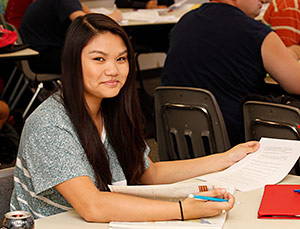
[(4, 113), (222, 48), (44, 26), (144, 4), (3, 4), (284, 18), (90, 135), (15, 11)]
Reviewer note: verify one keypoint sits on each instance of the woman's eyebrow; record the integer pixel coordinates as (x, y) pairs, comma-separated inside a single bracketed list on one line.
[(104, 53), (121, 53), (97, 51)]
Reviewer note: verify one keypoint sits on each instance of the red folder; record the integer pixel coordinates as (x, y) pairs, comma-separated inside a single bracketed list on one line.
[(280, 202)]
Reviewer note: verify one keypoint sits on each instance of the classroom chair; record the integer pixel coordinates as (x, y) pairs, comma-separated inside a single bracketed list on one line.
[(6, 188), (28, 78), (189, 123), (266, 119)]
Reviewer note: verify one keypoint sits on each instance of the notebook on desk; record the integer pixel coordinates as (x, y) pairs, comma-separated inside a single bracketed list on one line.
[(280, 202)]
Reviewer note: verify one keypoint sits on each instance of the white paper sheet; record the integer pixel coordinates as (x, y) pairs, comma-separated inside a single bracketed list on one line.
[(149, 15), (269, 165), (102, 10), (211, 223), (170, 192), (177, 4)]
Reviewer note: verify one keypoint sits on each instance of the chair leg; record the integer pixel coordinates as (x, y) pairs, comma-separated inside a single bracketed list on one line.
[(10, 100), (14, 103), (9, 81), (40, 86)]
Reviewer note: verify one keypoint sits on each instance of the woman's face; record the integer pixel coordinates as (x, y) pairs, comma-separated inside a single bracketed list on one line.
[(104, 66)]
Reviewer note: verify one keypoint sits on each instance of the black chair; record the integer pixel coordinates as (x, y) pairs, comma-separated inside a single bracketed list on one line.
[(265, 119), (28, 78), (6, 188), (189, 123)]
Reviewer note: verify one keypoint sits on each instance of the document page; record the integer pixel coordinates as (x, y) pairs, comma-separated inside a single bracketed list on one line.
[(269, 165), (171, 192), (211, 223), (149, 15)]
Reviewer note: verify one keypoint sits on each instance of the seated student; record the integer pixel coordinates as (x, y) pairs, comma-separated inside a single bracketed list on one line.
[(4, 113), (143, 4), (15, 11), (221, 48), (90, 135), (44, 26), (284, 17)]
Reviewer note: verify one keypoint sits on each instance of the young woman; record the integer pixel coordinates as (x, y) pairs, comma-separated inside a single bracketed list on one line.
[(91, 135)]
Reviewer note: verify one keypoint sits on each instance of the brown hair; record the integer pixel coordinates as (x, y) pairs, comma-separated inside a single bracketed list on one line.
[(121, 114)]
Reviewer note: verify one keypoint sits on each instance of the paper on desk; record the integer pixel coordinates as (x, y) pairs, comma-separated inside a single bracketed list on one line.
[(177, 4), (211, 223), (171, 192), (149, 15), (269, 165), (102, 10)]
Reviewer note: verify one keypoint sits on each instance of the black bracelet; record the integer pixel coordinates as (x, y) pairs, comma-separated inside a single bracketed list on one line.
[(181, 211)]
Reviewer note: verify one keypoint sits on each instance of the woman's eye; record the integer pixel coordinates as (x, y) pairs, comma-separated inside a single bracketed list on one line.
[(99, 59), (122, 59)]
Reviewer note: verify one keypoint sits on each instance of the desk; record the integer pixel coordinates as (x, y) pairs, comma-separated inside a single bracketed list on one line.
[(19, 55), (242, 216), (23, 54), (147, 36), (269, 80)]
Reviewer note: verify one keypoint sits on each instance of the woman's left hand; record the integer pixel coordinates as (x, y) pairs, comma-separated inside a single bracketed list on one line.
[(240, 151)]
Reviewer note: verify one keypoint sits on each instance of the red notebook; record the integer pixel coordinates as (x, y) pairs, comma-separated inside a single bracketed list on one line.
[(280, 202)]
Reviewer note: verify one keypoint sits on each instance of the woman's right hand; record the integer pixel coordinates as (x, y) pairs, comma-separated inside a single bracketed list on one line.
[(193, 209)]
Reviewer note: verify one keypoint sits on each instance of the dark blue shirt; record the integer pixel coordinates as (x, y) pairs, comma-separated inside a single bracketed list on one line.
[(45, 22), (218, 47)]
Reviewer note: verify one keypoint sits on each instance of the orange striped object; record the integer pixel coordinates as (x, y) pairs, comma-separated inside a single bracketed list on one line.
[(203, 188), (284, 18)]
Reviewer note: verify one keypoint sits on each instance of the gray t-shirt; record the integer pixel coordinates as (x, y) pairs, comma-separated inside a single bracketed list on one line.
[(49, 154)]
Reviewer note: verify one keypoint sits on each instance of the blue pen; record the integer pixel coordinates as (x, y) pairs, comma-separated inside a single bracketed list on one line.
[(297, 190), (207, 198)]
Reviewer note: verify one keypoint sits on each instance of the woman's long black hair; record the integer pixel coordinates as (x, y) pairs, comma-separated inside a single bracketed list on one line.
[(121, 114)]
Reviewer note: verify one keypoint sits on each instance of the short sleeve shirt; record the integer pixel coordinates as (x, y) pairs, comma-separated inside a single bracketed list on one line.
[(218, 47), (45, 22), (49, 154), (284, 18)]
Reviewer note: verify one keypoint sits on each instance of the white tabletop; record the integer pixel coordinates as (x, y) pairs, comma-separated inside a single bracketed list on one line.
[(242, 216), (22, 54)]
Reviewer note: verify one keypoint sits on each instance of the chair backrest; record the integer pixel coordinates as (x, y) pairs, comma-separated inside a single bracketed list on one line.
[(6, 188), (189, 123), (264, 119)]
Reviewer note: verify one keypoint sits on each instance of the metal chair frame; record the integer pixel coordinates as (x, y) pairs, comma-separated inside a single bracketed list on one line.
[(197, 127)]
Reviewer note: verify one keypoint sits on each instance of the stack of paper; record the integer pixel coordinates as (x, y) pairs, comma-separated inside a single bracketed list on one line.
[(209, 223), (149, 15), (170, 192), (269, 165)]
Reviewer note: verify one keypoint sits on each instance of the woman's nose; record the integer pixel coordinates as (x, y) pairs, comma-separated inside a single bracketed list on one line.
[(111, 68)]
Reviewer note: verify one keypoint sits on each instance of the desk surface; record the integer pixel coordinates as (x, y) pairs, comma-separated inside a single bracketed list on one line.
[(18, 55), (177, 13), (243, 215)]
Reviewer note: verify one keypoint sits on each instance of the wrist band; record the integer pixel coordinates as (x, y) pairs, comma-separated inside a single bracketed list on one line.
[(181, 211)]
